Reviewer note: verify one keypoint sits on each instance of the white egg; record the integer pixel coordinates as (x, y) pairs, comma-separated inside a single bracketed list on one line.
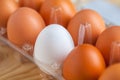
[(52, 46)]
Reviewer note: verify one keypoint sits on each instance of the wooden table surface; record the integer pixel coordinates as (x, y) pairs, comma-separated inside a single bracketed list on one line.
[(14, 66)]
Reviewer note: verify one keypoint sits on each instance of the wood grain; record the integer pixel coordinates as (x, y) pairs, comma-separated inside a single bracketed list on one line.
[(14, 66)]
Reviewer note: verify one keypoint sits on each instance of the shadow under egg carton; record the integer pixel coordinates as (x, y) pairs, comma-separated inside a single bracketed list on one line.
[(16, 64)]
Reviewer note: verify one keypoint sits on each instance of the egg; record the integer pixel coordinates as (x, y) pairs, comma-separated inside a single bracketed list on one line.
[(111, 73), (24, 26), (57, 11), (7, 7), (84, 62), (34, 4), (105, 41), (93, 23), (52, 46)]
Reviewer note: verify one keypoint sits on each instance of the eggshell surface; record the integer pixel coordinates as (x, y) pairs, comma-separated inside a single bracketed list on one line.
[(105, 40), (111, 73), (52, 46), (24, 26), (84, 62), (7, 7), (86, 17), (57, 11), (34, 4)]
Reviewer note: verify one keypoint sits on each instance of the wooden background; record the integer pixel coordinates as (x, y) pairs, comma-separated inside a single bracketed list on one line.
[(14, 66)]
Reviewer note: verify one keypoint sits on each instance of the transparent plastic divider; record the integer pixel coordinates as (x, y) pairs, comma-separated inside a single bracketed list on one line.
[(22, 58), (115, 53), (85, 31)]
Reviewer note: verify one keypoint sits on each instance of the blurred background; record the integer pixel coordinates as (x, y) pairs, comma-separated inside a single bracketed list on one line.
[(109, 9), (83, 2)]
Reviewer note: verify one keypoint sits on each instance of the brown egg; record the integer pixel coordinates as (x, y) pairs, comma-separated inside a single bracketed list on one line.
[(57, 11), (111, 73), (88, 18), (105, 40), (24, 26), (35, 4), (7, 7), (84, 62)]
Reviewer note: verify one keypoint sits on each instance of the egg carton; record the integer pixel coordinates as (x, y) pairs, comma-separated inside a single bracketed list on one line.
[(16, 56), (16, 64)]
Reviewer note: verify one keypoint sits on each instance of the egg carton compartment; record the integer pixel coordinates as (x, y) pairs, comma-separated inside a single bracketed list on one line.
[(16, 64), (22, 55)]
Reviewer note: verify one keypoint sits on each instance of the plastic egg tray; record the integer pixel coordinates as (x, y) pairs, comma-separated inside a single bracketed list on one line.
[(16, 64)]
